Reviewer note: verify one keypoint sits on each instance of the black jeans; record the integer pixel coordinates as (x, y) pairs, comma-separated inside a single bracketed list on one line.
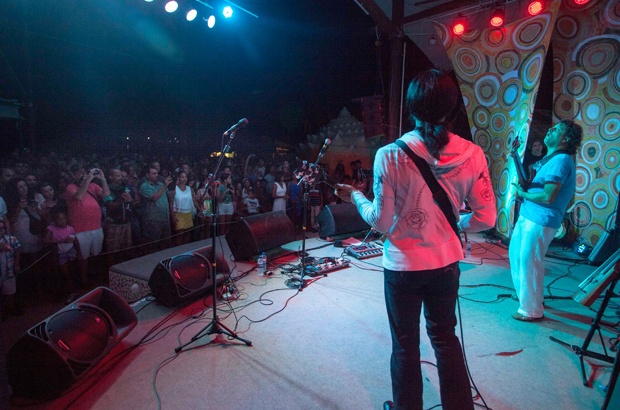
[(437, 290)]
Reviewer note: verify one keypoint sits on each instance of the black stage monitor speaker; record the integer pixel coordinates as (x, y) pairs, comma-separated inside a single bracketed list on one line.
[(185, 277), (259, 233), (51, 356), (340, 219)]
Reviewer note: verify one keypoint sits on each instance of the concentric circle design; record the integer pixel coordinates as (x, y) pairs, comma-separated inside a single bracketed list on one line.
[(509, 94), (482, 138), (565, 107), (494, 39), (611, 158), (531, 69), (593, 233), (469, 98), (504, 182), (498, 168), (498, 122), (614, 182), (611, 14), (600, 199), (558, 70), (469, 62), (507, 61), (581, 215), (486, 90), (566, 26), (583, 176), (593, 111), (591, 151), (503, 222), (497, 148), (481, 117), (598, 55), (443, 32), (524, 111), (577, 84), (528, 34), (613, 86), (609, 128)]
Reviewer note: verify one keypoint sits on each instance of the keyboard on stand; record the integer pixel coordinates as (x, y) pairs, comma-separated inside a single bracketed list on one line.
[(366, 250)]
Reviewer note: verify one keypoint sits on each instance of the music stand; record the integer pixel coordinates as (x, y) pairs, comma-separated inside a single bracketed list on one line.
[(215, 326)]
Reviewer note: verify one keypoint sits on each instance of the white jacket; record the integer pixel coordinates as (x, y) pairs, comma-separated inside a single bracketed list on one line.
[(419, 236)]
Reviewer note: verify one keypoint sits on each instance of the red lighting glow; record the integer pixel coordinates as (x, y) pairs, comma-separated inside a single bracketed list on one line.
[(581, 2), (497, 18), (458, 29), (535, 7)]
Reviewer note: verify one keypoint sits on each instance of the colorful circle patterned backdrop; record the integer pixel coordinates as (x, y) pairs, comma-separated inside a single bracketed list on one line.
[(499, 73)]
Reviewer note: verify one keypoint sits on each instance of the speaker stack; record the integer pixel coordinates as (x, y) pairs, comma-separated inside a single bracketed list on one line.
[(259, 233), (52, 355), (185, 277), (340, 219)]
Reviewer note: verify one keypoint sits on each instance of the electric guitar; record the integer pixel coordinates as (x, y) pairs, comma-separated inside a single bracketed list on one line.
[(524, 181)]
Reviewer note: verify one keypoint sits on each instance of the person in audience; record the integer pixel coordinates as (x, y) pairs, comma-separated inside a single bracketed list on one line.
[(83, 197), (251, 206), (9, 269), (225, 207), (62, 235), (422, 249), (183, 206), (156, 230), (26, 226), (205, 201), (279, 193), (6, 174), (315, 203), (120, 204)]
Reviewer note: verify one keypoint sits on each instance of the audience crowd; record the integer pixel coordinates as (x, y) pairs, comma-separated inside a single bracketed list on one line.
[(64, 217)]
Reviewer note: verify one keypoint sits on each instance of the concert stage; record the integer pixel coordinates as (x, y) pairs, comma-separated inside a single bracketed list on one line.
[(328, 346)]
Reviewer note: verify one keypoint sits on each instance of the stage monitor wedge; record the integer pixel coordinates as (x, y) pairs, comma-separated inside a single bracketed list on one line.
[(340, 219), (52, 355), (185, 277), (259, 233)]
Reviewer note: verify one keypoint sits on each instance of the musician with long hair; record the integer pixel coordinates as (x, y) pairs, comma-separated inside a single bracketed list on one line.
[(540, 216)]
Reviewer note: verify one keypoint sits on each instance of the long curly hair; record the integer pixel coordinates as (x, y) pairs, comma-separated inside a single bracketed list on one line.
[(431, 97)]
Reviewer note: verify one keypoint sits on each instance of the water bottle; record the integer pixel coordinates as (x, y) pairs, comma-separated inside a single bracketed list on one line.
[(468, 248), (262, 264)]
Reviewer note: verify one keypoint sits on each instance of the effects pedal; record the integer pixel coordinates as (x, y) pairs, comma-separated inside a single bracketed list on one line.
[(321, 266), (365, 250)]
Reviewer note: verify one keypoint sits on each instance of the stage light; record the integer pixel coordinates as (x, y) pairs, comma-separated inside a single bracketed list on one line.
[(459, 25), (535, 7), (497, 18), (148, 1), (211, 21), (227, 11), (581, 2), (191, 15), (171, 6)]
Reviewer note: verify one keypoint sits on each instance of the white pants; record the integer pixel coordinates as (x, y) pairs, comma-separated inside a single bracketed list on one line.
[(528, 246)]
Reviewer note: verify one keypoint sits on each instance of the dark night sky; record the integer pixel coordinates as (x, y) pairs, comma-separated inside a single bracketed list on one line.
[(110, 69)]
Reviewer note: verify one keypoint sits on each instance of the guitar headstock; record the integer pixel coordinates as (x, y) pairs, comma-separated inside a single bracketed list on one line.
[(516, 143)]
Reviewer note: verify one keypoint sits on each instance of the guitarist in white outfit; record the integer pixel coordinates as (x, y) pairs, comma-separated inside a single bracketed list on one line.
[(541, 214)]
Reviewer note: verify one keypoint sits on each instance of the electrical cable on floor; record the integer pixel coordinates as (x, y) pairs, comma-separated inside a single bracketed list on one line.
[(458, 305)]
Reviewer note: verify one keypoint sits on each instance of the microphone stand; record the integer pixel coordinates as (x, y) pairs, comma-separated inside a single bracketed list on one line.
[(300, 283), (215, 326)]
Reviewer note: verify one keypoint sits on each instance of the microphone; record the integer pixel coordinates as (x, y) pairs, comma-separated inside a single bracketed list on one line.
[(324, 147), (242, 123)]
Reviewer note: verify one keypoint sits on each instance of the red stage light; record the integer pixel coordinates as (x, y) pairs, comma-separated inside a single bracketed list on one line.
[(535, 7), (497, 18), (581, 2), (458, 28)]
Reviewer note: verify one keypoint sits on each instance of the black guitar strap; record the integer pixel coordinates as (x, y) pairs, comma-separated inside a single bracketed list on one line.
[(439, 194)]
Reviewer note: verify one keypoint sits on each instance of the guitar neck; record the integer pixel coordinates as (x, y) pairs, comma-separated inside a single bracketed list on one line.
[(523, 179)]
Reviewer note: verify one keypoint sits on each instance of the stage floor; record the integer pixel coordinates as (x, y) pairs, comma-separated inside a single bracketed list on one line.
[(328, 346)]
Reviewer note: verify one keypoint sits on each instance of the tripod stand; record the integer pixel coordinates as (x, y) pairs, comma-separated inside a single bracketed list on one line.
[(215, 327), (582, 350)]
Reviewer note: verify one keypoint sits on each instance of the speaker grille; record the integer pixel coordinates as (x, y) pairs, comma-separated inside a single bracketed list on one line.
[(39, 331)]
